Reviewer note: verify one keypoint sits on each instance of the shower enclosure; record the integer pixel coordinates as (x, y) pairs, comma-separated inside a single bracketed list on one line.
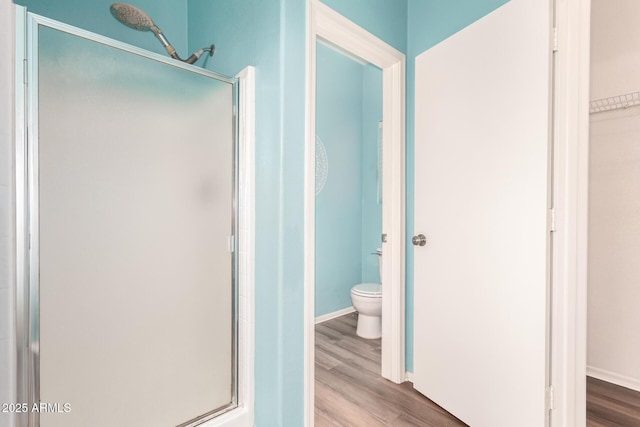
[(128, 187)]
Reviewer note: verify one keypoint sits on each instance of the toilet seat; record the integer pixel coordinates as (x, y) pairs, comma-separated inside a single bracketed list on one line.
[(370, 290)]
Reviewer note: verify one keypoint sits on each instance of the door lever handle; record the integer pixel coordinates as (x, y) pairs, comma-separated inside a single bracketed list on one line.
[(419, 240)]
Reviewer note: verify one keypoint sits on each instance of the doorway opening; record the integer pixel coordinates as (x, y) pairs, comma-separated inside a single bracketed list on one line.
[(331, 28), (348, 187), (613, 371)]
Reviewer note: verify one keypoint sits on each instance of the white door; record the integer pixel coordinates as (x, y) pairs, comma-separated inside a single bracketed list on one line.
[(481, 178)]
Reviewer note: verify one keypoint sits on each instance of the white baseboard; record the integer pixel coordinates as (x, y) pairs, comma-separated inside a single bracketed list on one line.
[(335, 314), (408, 376), (611, 377)]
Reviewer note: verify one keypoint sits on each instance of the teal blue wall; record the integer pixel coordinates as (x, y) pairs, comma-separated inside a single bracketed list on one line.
[(270, 34), (348, 217), (291, 255), (339, 204), (429, 23), (94, 15)]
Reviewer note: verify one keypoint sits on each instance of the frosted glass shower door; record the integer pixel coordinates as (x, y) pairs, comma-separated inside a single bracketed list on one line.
[(132, 180)]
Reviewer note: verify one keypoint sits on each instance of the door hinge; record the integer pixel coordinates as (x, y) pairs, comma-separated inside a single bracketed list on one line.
[(232, 243), (555, 39), (551, 220), (549, 398), (25, 74)]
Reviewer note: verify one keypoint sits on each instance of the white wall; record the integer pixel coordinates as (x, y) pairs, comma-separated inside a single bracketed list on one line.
[(615, 47), (613, 352), (7, 353)]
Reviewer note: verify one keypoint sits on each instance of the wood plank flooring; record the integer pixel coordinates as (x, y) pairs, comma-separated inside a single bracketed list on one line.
[(609, 405), (350, 391)]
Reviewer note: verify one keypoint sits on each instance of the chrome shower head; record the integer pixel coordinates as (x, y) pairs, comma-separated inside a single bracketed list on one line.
[(132, 17), (137, 19)]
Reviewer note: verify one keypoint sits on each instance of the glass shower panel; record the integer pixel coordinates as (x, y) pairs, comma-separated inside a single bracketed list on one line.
[(134, 184)]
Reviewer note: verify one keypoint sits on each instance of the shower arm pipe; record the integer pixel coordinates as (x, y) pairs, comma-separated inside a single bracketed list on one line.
[(172, 51)]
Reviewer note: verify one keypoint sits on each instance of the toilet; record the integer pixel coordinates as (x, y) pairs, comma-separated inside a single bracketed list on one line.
[(367, 300)]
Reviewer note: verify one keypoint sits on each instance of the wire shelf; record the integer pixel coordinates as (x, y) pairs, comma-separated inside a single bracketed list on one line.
[(614, 102)]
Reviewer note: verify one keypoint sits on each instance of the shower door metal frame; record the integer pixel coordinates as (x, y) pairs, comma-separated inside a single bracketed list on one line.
[(27, 218)]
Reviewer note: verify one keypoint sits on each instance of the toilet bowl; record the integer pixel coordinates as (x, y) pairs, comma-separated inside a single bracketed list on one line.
[(366, 298)]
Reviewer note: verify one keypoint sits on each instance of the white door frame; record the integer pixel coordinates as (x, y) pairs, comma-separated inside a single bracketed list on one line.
[(571, 162), (325, 24)]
